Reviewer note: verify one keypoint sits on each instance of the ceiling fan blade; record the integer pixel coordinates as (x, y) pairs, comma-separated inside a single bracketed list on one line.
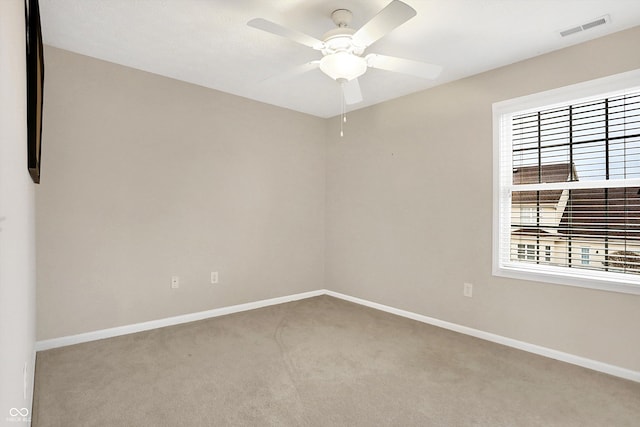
[(395, 14), (405, 66), (351, 91), (300, 69), (279, 30)]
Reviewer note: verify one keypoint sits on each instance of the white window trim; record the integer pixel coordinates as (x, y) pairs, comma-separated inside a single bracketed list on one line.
[(608, 281)]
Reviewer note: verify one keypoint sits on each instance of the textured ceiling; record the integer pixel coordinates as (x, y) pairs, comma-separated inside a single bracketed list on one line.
[(207, 42)]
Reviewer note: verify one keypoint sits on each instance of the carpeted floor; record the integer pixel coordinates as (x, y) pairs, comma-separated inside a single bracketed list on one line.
[(319, 362)]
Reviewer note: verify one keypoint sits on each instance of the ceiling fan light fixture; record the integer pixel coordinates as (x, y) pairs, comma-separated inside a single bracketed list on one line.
[(343, 65)]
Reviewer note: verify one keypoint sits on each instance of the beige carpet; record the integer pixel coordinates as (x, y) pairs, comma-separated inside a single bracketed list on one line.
[(319, 362)]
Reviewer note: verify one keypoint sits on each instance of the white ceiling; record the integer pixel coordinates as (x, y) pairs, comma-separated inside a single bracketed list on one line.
[(207, 42)]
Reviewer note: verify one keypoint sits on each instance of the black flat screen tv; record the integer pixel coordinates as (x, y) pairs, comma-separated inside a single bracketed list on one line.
[(35, 86)]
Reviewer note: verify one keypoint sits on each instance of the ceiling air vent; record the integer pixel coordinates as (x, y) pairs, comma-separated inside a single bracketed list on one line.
[(587, 26), (570, 31)]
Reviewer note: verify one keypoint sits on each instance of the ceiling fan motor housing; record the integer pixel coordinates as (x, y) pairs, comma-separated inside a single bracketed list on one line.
[(342, 60), (341, 39)]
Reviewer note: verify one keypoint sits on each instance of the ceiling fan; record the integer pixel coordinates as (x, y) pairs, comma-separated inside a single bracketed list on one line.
[(343, 48)]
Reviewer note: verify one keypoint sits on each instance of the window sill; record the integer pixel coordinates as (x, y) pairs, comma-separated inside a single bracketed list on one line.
[(613, 282)]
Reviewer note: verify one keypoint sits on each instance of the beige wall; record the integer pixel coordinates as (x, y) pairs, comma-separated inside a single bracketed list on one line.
[(409, 211), (146, 177), (17, 224)]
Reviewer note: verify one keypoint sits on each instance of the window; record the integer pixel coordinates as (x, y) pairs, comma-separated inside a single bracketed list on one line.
[(528, 215), (527, 252), (584, 256), (567, 183)]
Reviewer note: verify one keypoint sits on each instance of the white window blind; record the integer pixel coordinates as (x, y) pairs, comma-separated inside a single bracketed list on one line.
[(569, 190)]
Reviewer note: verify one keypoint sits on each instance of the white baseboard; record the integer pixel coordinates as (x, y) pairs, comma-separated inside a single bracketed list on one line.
[(510, 342), (169, 321)]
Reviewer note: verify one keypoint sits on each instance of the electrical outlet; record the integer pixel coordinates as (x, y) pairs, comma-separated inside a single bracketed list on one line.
[(175, 282), (214, 277), (468, 290)]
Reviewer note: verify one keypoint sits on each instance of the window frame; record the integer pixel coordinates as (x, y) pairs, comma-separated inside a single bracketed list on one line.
[(594, 89)]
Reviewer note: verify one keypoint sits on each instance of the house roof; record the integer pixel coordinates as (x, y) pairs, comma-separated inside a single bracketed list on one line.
[(557, 172), (588, 212), (533, 232)]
